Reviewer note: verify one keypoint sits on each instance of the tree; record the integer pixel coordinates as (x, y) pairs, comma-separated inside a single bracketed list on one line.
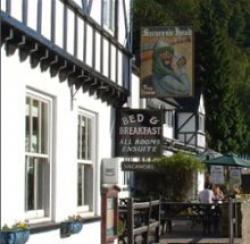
[(225, 120), (222, 58)]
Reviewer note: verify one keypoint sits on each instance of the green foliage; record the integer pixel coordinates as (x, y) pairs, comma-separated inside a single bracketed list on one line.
[(75, 218), (225, 123), (160, 13), (180, 170), (121, 225), (16, 226), (222, 60), (179, 162)]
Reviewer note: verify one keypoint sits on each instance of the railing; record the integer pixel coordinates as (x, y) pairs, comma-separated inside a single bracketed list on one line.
[(176, 220), (141, 219), (218, 220)]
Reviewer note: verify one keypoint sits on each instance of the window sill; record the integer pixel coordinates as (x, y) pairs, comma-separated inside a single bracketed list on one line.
[(35, 221), (48, 226), (85, 214)]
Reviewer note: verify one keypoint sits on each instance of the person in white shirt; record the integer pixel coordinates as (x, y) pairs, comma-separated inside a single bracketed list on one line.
[(206, 195)]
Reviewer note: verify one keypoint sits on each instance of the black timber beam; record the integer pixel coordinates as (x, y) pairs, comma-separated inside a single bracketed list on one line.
[(16, 36)]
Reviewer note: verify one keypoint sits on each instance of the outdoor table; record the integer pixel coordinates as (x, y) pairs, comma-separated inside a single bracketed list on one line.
[(207, 214)]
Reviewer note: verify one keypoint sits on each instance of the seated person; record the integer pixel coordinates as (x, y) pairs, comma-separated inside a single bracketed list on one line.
[(218, 194)]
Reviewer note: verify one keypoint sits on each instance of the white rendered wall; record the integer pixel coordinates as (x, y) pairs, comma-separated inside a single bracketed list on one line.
[(90, 233), (202, 105), (134, 99), (189, 126), (201, 181), (168, 131), (95, 12), (201, 140), (16, 77)]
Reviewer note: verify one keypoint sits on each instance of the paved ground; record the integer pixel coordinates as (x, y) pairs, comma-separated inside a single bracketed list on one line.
[(186, 232)]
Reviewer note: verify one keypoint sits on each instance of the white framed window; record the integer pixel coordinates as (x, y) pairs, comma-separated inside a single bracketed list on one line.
[(37, 155), (108, 13), (86, 161)]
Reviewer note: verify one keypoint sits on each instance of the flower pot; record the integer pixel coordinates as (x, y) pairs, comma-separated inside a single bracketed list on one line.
[(14, 236), (75, 227), (68, 228), (22, 236), (3, 237), (64, 229)]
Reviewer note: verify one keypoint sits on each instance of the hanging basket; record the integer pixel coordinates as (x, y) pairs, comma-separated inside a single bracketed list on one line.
[(14, 236), (75, 227), (70, 227)]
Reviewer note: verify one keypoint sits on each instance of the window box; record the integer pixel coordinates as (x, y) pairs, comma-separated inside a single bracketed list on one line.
[(17, 236)]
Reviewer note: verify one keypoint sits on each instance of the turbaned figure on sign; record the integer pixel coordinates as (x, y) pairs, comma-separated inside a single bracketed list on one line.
[(166, 62)]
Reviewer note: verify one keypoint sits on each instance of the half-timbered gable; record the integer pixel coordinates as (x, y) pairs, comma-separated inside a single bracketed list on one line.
[(80, 41), (190, 121)]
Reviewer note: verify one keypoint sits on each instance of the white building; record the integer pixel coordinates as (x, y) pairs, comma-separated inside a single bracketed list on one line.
[(65, 69)]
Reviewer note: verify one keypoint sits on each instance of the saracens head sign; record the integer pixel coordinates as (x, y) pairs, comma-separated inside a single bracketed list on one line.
[(139, 133)]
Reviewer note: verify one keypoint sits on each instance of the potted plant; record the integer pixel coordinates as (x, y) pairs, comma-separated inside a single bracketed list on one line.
[(17, 234), (72, 225)]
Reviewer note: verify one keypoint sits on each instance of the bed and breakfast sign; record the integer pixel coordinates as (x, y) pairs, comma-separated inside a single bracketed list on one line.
[(139, 133)]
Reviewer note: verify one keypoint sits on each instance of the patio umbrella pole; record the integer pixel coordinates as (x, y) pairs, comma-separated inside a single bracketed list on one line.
[(230, 216)]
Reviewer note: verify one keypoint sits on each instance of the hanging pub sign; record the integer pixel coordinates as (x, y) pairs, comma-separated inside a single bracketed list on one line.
[(139, 133), (167, 61)]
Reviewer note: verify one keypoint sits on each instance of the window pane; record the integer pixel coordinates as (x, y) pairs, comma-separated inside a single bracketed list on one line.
[(36, 126), (79, 186), (88, 143), (35, 183), (105, 12), (79, 138), (27, 125), (44, 128), (85, 186), (112, 15), (109, 13), (34, 114), (40, 168), (83, 138), (30, 175), (88, 186)]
